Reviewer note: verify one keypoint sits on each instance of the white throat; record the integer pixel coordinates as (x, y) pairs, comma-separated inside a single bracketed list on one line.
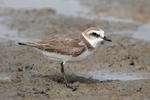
[(94, 42)]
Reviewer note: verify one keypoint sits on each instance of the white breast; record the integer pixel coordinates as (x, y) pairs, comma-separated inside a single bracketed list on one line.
[(66, 58), (84, 55)]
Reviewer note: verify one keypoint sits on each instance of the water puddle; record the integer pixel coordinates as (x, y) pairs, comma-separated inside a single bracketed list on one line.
[(119, 76), (70, 8), (143, 32), (5, 77), (66, 7), (9, 34)]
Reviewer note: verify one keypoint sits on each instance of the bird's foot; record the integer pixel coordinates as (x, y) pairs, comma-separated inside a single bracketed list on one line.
[(73, 86)]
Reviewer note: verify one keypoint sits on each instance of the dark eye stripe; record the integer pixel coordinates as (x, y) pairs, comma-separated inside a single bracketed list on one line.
[(95, 34)]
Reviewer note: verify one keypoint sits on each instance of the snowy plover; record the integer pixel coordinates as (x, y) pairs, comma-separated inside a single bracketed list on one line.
[(70, 47)]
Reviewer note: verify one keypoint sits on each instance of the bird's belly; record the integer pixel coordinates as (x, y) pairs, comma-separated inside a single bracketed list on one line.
[(83, 56), (66, 58)]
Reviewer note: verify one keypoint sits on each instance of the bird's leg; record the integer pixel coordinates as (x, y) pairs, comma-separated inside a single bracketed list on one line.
[(63, 72), (65, 79)]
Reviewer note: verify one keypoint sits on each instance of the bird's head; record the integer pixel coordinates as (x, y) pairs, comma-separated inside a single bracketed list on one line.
[(95, 36)]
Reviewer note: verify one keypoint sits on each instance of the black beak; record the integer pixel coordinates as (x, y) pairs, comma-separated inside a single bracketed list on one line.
[(106, 39)]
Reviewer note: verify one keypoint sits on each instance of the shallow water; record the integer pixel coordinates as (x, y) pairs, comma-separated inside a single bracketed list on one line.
[(66, 7), (75, 9), (143, 32), (119, 76), (5, 77), (9, 34)]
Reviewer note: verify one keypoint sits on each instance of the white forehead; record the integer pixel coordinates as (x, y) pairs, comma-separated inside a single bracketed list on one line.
[(100, 32)]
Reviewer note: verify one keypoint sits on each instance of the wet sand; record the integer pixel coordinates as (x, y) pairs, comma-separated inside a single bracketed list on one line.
[(117, 71)]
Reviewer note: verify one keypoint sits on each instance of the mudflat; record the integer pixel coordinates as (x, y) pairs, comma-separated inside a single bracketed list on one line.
[(117, 71)]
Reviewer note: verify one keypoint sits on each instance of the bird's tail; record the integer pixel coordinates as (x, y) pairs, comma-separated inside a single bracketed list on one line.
[(20, 43), (29, 44)]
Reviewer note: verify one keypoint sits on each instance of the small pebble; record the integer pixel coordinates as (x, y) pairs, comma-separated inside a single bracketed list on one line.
[(132, 62), (20, 69)]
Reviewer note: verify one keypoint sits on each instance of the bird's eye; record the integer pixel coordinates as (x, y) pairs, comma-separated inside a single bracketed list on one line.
[(95, 34)]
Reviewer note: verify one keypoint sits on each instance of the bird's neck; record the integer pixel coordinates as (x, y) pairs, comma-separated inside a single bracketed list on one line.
[(94, 43), (89, 46)]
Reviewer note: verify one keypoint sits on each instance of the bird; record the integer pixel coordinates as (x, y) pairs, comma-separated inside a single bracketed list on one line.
[(71, 47)]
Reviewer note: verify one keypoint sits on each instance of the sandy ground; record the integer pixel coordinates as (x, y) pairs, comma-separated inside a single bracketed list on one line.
[(26, 74)]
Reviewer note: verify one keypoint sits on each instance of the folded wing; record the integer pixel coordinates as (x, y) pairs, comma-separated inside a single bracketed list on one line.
[(70, 44)]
